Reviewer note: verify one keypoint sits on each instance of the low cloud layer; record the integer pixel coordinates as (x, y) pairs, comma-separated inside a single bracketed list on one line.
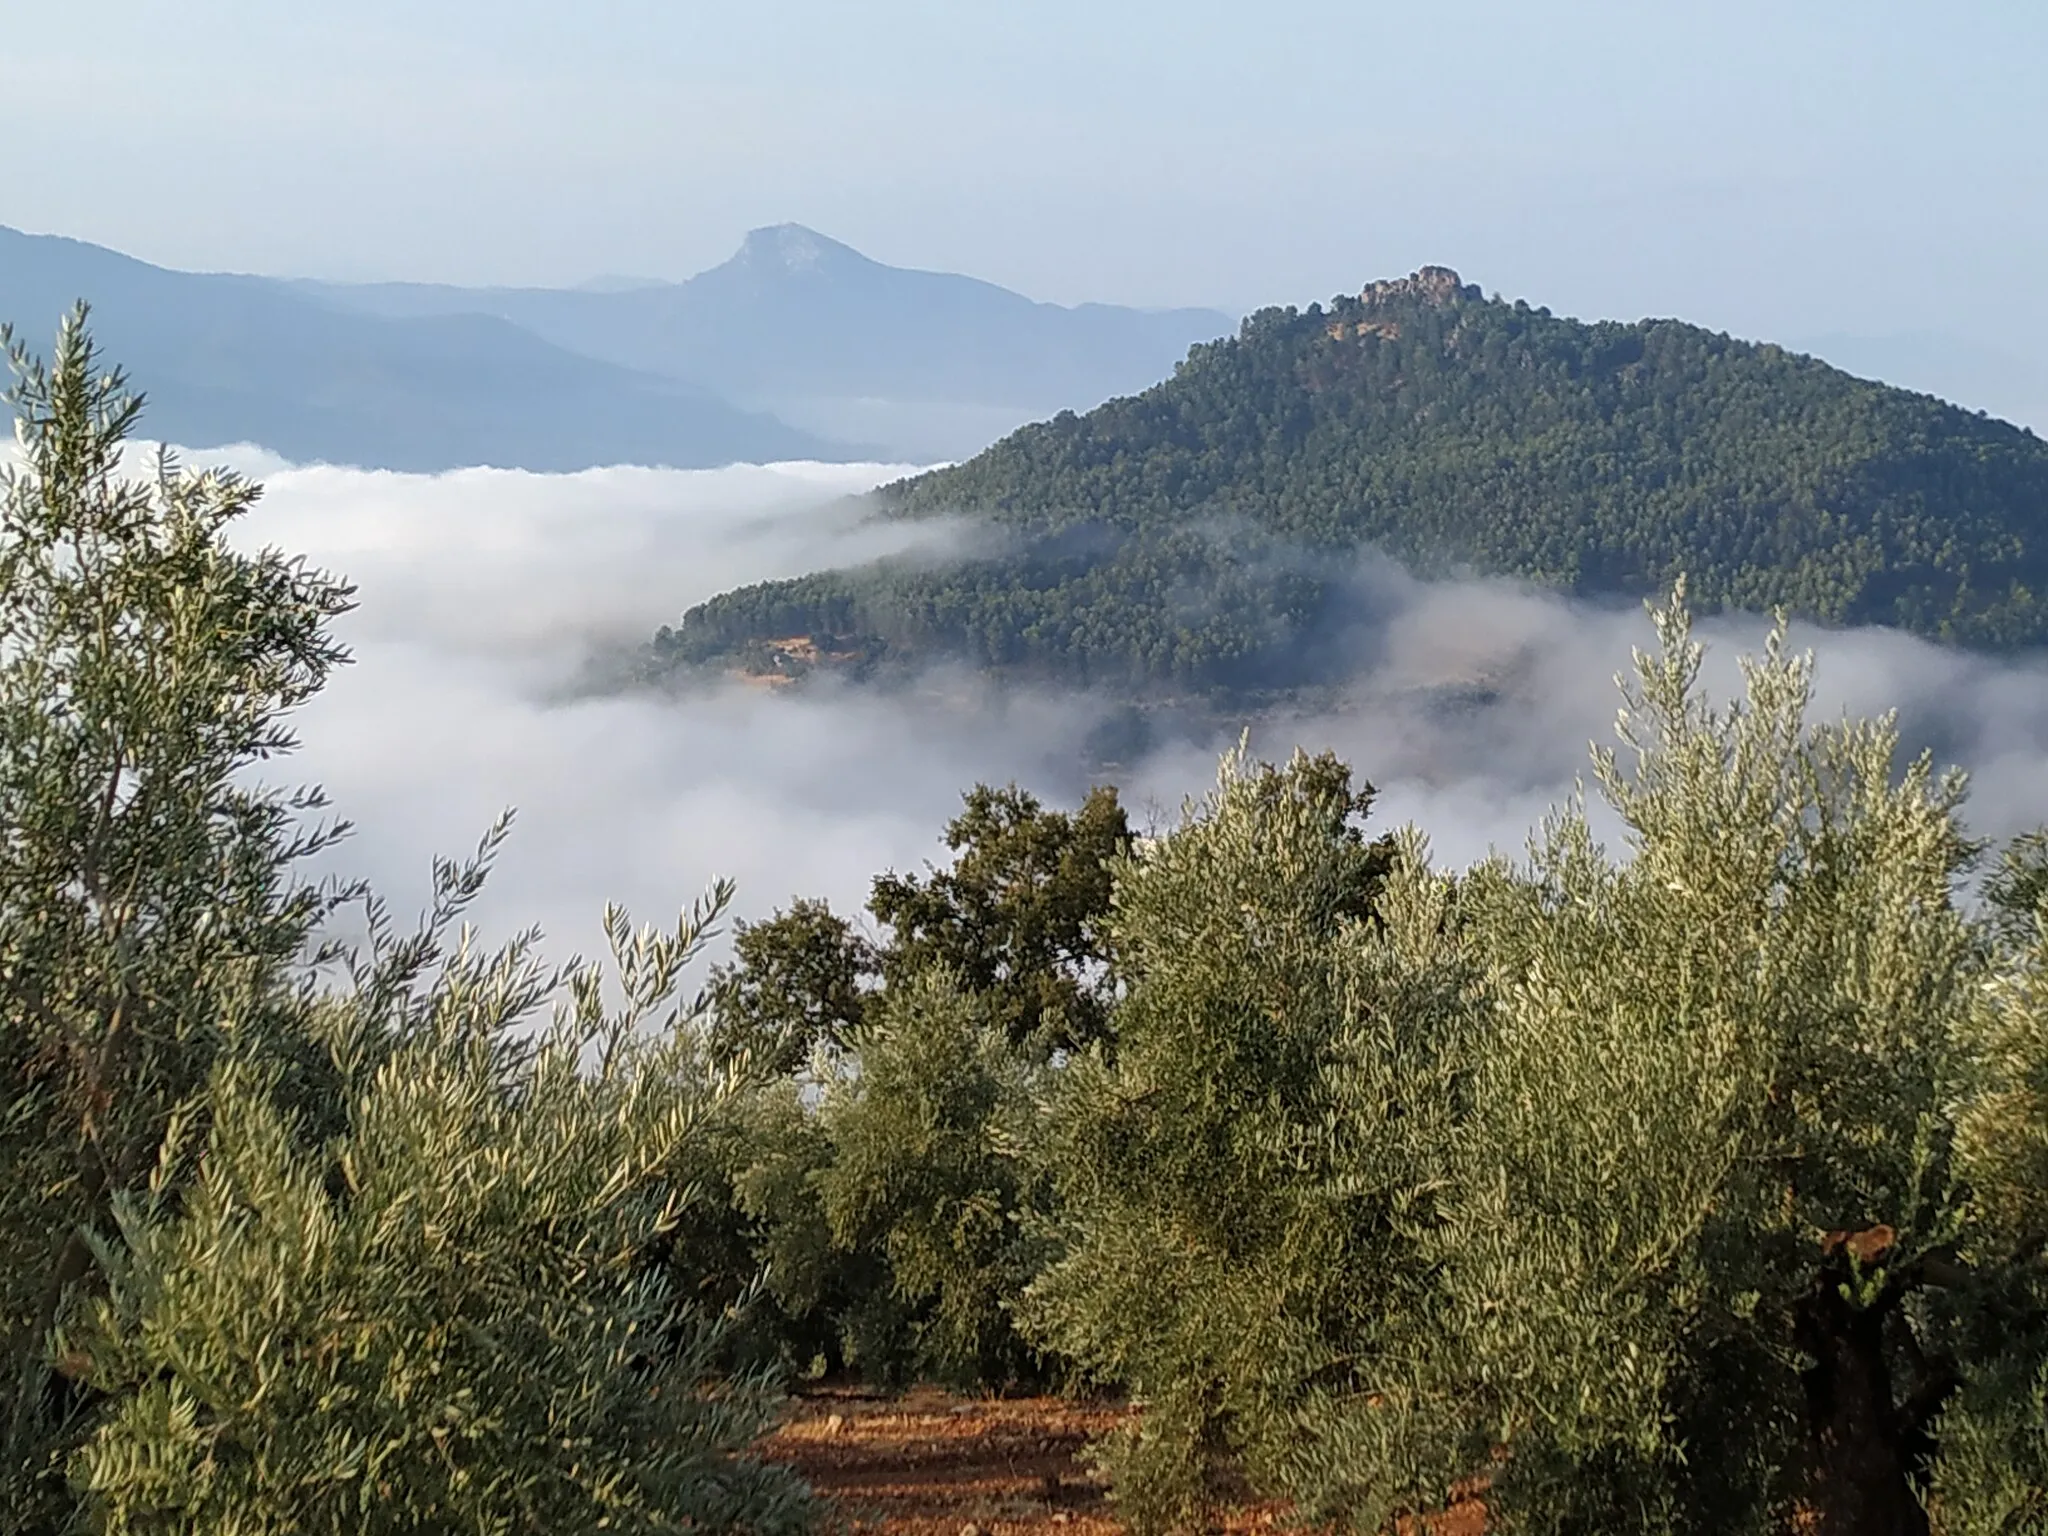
[(1485, 699), (485, 593)]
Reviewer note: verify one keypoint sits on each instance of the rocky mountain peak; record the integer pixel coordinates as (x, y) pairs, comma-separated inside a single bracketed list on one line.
[(793, 250), (1436, 286)]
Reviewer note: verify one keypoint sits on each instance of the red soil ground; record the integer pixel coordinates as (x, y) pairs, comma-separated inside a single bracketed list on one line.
[(932, 1465)]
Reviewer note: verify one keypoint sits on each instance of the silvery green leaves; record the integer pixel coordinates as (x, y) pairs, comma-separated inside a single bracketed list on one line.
[(291, 1247)]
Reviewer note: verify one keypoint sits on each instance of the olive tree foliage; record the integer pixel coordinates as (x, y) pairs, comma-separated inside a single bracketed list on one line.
[(927, 1132), (1692, 1189), (289, 1248), (1213, 1257), (147, 916), (884, 1192), (2018, 886), (879, 1176), (1728, 1092), (1707, 1153), (1994, 1439), (447, 1316)]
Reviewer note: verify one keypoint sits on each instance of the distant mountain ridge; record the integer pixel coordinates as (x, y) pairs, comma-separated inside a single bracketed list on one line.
[(796, 347), (1204, 535), (814, 331), (226, 358)]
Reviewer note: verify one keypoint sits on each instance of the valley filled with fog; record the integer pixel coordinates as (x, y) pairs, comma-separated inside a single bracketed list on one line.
[(1050, 770), (491, 603)]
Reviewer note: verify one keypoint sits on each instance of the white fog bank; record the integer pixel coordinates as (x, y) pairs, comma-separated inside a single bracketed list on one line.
[(484, 592)]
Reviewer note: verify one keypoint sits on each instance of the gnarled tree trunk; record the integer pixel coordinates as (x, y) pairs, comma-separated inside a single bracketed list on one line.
[(1867, 1448)]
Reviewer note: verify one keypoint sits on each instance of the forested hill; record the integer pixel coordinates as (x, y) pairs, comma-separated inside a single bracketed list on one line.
[(1199, 534)]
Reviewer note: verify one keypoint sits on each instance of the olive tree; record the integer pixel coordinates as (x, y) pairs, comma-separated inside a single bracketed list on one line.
[(1207, 1258), (1690, 1187), (147, 912), (289, 1244), (446, 1316)]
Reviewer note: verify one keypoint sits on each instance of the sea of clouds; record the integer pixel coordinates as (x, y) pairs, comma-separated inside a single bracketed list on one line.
[(486, 596)]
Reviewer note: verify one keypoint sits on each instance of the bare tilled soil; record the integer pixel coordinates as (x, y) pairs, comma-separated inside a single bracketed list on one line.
[(932, 1465)]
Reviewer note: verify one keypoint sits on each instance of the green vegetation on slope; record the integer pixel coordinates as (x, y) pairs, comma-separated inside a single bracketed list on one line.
[(1204, 533), (1700, 1191)]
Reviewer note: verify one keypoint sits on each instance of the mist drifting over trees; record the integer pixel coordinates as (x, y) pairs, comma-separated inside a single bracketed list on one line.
[(1683, 1172)]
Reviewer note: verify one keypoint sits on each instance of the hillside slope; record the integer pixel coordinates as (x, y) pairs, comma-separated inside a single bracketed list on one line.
[(1205, 534), (244, 359)]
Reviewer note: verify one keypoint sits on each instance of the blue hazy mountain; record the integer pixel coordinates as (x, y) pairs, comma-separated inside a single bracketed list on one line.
[(228, 358), (929, 363)]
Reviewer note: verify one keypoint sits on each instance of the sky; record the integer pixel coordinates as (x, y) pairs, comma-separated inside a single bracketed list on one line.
[(1834, 166)]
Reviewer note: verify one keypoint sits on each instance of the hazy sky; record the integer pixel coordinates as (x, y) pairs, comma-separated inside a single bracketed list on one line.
[(1789, 169)]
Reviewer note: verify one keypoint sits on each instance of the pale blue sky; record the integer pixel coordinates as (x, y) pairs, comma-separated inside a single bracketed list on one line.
[(1781, 167)]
